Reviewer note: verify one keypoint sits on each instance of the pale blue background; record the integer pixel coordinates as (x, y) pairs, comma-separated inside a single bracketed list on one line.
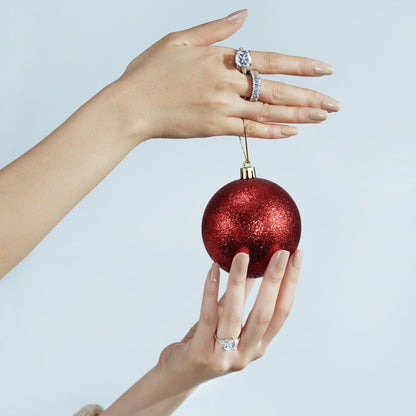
[(128, 263)]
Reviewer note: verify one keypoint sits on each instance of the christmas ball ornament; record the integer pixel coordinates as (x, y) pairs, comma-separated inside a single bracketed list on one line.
[(252, 215)]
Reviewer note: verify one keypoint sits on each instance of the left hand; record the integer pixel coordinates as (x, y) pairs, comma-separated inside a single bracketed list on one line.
[(199, 357)]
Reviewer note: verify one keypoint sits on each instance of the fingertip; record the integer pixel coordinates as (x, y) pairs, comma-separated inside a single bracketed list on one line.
[(322, 68), (297, 258), (214, 272), (281, 259), (241, 261), (239, 16)]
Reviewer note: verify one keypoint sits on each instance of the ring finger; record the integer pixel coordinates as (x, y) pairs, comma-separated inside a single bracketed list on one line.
[(276, 92)]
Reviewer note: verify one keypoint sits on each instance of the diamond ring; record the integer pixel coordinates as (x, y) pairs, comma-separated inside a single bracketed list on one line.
[(230, 344), (243, 59), (255, 94)]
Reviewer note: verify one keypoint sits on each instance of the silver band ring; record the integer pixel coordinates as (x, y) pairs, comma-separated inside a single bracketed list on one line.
[(229, 344), (243, 59), (255, 93)]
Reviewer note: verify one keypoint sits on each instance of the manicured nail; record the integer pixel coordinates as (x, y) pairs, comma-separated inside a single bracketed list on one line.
[(281, 259), (289, 130), (212, 273), (330, 104), (238, 17), (317, 114), (323, 69), (297, 258), (241, 262)]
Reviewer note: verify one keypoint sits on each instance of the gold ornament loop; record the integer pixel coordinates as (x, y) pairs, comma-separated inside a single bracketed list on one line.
[(245, 151), (247, 171)]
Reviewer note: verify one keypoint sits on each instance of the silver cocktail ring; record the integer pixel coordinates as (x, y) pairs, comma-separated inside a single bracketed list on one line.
[(255, 93), (243, 59), (230, 344)]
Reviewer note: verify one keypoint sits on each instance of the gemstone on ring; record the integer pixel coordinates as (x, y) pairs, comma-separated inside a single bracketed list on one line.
[(229, 344), (243, 59), (255, 94)]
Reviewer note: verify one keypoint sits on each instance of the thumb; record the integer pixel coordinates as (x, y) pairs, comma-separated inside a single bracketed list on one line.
[(211, 32)]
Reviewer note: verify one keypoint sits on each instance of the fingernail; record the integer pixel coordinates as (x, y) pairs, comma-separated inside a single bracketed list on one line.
[(323, 69), (281, 259), (241, 262), (212, 273), (297, 258), (331, 104), (289, 130), (238, 17), (317, 114)]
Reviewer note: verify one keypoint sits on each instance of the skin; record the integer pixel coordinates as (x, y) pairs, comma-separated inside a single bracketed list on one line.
[(196, 92), (184, 365)]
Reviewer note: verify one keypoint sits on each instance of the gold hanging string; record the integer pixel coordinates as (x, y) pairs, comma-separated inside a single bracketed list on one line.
[(245, 151)]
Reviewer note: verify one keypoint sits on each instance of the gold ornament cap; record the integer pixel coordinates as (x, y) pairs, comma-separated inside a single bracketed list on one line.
[(247, 172)]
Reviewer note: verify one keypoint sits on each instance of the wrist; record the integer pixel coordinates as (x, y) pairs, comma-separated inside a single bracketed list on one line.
[(175, 384), (133, 127), (155, 389)]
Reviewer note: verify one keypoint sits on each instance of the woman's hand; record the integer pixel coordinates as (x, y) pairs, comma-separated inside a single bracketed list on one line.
[(199, 357), (182, 87)]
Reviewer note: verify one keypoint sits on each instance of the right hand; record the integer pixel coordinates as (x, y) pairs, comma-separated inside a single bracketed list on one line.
[(199, 357), (184, 87)]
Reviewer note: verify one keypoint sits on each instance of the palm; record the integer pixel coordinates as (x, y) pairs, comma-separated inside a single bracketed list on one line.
[(176, 352)]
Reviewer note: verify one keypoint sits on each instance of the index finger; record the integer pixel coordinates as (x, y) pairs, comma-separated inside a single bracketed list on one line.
[(279, 63)]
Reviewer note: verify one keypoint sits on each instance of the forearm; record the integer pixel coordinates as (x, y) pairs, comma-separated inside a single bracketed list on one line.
[(152, 395), (166, 406), (39, 188)]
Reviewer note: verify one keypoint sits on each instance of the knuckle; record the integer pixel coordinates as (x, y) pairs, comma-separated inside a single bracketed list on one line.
[(264, 112), (303, 66), (251, 129), (199, 360), (310, 98), (298, 114), (263, 320), (213, 55), (169, 38), (239, 365), (222, 100), (233, 319), (276, 278), (208, 318), (293, 277), (277, 92), (223, 83), (259, 354), (237, 280), (219, 367), (271, 61), (272, 131)]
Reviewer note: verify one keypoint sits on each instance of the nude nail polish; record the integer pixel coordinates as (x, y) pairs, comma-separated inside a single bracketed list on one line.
[(321, 68), (317, 114), (281, 259), (238, 17), (212, 273), (242, 261), (330, 104), (297, 258), (289, 130)]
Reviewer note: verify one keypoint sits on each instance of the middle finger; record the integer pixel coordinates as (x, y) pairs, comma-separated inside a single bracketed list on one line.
[(229, 325)]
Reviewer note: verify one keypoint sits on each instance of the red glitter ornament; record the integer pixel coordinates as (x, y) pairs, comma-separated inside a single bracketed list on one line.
[(252, 215)]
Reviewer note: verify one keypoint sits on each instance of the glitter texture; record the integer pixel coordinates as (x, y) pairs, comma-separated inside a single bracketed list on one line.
[(253, 215)]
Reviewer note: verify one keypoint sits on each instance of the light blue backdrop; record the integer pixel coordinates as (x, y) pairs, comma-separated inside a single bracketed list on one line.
[(89, 310)]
